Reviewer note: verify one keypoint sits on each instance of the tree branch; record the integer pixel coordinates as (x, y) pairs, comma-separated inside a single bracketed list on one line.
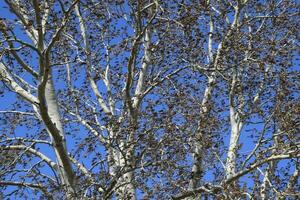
[(51, 164), (10, 82)]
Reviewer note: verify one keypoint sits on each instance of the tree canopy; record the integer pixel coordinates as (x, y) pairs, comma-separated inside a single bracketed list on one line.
[(149, 99)]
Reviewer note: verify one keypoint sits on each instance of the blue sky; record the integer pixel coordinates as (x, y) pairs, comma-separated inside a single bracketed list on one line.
[(8, 98)]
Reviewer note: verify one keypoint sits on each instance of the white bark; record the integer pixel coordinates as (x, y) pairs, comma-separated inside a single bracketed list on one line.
[(289, 154), (236, 127), (48, 106), (214, 60), (143, 72), (119, 159), (264, 185), (124, 158), (30, 150), (8, 79), (120, 162), (198, 149), (49, 113), (59, 142), (93, 84), (125, 187), (46, 102), (235, 118), (19, 11), (27, 185)]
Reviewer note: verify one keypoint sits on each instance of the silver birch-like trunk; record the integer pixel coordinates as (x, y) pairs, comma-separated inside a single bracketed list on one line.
[(65, 170), (126, 188), (120, 162), (198, 149), (236, 126)]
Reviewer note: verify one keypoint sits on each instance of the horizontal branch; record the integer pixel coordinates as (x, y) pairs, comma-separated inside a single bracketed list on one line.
[(32, 151), (26, 140), (28, 185), (210, 189), (24, 184), (16, 112)]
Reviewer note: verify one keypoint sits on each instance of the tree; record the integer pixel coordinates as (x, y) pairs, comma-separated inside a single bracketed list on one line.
[(149, 99)]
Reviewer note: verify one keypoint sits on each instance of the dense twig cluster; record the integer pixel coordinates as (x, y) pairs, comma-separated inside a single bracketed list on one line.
[(149, 99)]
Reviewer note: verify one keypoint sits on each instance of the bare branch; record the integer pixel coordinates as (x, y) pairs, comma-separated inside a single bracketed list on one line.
[(6, 77), (19, 11), (253, 166), (87, 51), (51, 164), (27, 185)]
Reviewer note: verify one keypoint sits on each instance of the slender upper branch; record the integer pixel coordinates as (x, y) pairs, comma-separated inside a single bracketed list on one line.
[(93, 84), (19, 11), (131, 63), (4, 29)]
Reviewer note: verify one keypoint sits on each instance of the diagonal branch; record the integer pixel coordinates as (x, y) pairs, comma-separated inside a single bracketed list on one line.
[(291, 154), (131, 63), (153, 85), (64, 21), (4, 30), (11, 83), (19, 11), (93, 84)]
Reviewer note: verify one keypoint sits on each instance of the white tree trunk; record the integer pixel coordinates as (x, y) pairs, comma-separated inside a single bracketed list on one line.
[(264, 185), (127, 188), (198, 149), (58, 139), (120, 161), (236, 126)]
